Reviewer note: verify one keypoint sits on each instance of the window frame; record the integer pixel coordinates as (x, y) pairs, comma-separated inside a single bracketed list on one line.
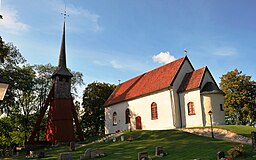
[(127, 116), (114, 119), (154, 113), (191, 108), (221, 107)]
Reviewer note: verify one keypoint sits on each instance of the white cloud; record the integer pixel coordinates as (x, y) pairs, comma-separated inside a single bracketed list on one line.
[(163, 57), (227, 51), (116, 64), (11, 23)]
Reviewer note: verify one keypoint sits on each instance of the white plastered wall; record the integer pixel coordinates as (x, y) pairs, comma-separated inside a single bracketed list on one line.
[(120, 110), (191, 120), (142, 107), (212, 102), (186, 68)]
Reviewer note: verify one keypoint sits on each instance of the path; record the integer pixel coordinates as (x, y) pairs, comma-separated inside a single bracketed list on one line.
[(107, 138), (219, 134)]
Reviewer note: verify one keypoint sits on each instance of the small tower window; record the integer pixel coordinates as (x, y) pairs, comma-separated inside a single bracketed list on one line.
[(127, 116), (221, 107), (154, 114), (114, 119), (191, 108)]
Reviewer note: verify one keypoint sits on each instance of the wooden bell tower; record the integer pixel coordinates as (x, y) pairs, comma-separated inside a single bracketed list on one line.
[(59, 128)]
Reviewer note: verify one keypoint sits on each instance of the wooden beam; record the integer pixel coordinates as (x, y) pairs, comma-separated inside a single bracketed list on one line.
[(41, 116)]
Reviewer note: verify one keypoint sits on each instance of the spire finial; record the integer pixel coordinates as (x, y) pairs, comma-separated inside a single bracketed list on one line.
[(185, 52), (65, 13), (62, 66)]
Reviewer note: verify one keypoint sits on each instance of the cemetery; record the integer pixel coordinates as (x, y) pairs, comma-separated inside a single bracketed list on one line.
[(171, 112), (159, 145)]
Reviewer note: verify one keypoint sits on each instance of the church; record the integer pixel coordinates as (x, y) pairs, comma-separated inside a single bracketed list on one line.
[(174, 95)]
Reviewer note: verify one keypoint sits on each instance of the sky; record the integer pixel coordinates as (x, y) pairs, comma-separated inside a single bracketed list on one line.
[(111, 40)]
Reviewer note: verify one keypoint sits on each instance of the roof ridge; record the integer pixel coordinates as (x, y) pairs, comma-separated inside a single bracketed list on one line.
[(154, 69), (192, 79), (148, 82)]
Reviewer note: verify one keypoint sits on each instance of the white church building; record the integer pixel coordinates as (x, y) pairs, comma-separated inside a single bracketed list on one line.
[(174, 95)]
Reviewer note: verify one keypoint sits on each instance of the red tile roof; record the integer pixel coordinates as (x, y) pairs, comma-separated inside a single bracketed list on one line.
[(192, 80), (149, 82)]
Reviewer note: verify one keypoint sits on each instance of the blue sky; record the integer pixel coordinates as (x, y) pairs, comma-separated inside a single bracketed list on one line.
[(111, 40)]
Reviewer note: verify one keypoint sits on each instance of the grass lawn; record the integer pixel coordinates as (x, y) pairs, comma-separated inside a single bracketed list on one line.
[(178, 145), (239, 129)]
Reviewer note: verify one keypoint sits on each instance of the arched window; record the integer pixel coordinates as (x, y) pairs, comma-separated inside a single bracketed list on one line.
[(114, 119), (191, 108), (154, 114), (127, 116)]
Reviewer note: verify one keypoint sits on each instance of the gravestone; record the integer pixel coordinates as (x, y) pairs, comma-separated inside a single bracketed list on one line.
[(122, 138), (65, 156), (159, 151), (130, 138), (92, 153), (220, 155), (143, 156), (31, 154), (87, 153), (41, 155), (253, 141), (72, 146), (83, 157), (96, 153)]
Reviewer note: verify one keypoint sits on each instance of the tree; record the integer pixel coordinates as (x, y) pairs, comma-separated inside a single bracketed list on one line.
[(3, 50), (94, 97), (12, 60), (240, 92), (28, 89), (5, 130)]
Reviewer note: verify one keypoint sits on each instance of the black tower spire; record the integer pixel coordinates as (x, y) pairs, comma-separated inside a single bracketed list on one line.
[(62, 66)]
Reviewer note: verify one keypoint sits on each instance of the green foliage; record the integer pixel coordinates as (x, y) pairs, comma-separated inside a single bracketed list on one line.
[(5, 129), (3, 50), (94, 97), (9, 54), (10, 132), (240, 92), (27, 92), (77, 80)]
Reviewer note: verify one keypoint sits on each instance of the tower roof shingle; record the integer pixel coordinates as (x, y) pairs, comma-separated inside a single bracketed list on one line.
[(62, 67)]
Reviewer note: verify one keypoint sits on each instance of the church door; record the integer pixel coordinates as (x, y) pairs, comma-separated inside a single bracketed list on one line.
[(138, 123)]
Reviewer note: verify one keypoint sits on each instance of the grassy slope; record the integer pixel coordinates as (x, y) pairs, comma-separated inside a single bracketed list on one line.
[(239, 129), (177, 144)]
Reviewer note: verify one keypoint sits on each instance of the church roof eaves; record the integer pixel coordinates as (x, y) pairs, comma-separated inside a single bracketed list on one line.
[(192, 80), (154, 80), (211, 88)]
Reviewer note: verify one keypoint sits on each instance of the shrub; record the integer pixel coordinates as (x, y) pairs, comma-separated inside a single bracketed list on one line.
[(236, 151)]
